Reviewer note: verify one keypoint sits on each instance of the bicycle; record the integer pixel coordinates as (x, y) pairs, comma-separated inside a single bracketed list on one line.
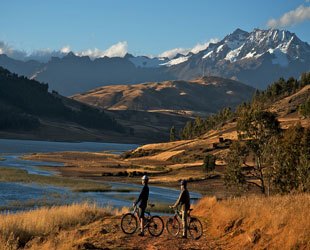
[(154, 224), (194, 227)]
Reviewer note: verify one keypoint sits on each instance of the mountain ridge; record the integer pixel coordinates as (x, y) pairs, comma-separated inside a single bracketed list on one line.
[(256, 58)]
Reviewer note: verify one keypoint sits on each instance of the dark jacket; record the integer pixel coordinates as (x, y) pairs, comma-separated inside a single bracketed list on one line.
[(143, 197), (184, 200)]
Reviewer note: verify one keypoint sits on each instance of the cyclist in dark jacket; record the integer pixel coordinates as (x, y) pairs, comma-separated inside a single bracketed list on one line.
[(143, 197), (184, 201)]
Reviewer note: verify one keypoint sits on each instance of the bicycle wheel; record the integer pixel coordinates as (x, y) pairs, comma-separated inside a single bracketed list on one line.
[(129, 223), (156, 226), (173, 226), (195, 228)]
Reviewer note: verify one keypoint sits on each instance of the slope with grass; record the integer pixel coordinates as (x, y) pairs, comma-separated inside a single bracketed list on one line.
[(169, 162), (29, 111), (278, 222), (26, 106), (203, 95)]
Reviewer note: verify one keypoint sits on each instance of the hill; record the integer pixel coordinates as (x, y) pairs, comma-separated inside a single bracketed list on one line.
[(169, 162), (29, 111), (26, 105), (203, 95)]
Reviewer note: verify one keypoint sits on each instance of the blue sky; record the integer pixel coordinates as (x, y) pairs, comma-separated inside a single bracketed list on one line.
[(139, 26)]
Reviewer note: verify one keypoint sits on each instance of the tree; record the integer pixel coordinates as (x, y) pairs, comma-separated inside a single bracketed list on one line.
[(304, 109), (304, 79), (290, 160), (198, 126), (172, 134), (186, 132), (251, 164), (234, 172), (209, 163)]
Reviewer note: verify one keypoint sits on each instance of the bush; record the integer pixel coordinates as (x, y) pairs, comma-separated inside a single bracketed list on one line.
[(209, 163)]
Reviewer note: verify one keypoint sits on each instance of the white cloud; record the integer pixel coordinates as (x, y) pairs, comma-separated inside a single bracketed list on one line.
[(173, 52), (43, 55), (9, 51), (184, 51), (93, 53), (119, 49), (202, 46), (300, 14), (116, 50), (65, 49)]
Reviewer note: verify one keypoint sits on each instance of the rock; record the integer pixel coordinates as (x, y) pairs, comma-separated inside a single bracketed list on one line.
[(255, 236), (239, 222), (86, 246), (229, 226), (104, 231), (82, 231)]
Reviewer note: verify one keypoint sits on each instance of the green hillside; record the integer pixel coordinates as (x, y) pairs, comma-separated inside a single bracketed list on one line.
[(24, 102)]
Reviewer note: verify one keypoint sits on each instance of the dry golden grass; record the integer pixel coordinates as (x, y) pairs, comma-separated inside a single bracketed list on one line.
[(164, 156), (17, 229), (277, 222), (163, 146), (255, 222)]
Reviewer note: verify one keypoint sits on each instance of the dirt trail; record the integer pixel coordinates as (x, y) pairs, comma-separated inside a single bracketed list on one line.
[(107, 234)]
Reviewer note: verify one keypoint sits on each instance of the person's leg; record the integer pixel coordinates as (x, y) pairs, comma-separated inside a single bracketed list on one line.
[(141, 217), (184, 222)]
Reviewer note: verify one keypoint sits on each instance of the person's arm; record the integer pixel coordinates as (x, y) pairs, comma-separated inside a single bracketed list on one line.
[(179, 199)]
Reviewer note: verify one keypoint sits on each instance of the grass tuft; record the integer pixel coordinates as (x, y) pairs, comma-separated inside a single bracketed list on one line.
[(17, 229), (281, 222)]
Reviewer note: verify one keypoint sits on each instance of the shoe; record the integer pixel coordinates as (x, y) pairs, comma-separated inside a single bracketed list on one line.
[(184, 237), (141, 234)]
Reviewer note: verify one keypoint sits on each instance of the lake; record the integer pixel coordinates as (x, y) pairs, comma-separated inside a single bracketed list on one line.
[(20, 196)]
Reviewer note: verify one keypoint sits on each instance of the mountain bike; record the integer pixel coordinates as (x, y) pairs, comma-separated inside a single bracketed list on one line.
[(154, 224), (194, 226)]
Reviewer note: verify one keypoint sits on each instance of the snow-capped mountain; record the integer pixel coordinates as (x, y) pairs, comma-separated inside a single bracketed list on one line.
[(256, 58), (241, 45), (147, 62)]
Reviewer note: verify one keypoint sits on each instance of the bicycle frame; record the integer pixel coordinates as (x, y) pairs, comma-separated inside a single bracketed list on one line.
[(178, 214), (154, 224), (146, 218), (194, 227)]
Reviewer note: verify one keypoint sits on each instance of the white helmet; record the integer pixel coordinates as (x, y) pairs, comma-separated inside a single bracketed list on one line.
[(145, 178)]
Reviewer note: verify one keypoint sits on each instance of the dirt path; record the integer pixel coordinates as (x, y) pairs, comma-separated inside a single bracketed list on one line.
[(107, 234)]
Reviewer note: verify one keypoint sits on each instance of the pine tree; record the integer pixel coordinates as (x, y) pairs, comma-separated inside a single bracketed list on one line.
[(209, 163), (172, 134)]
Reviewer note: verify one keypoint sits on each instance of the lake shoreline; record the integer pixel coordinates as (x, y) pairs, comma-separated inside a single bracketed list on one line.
[(28, 184), (104, 167)]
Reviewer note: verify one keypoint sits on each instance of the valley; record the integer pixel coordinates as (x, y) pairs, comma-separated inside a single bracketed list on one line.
[(168, 163), (110, 106)]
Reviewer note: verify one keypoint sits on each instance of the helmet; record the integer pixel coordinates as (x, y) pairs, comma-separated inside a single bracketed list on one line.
[(183, 183), (145, 178)]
